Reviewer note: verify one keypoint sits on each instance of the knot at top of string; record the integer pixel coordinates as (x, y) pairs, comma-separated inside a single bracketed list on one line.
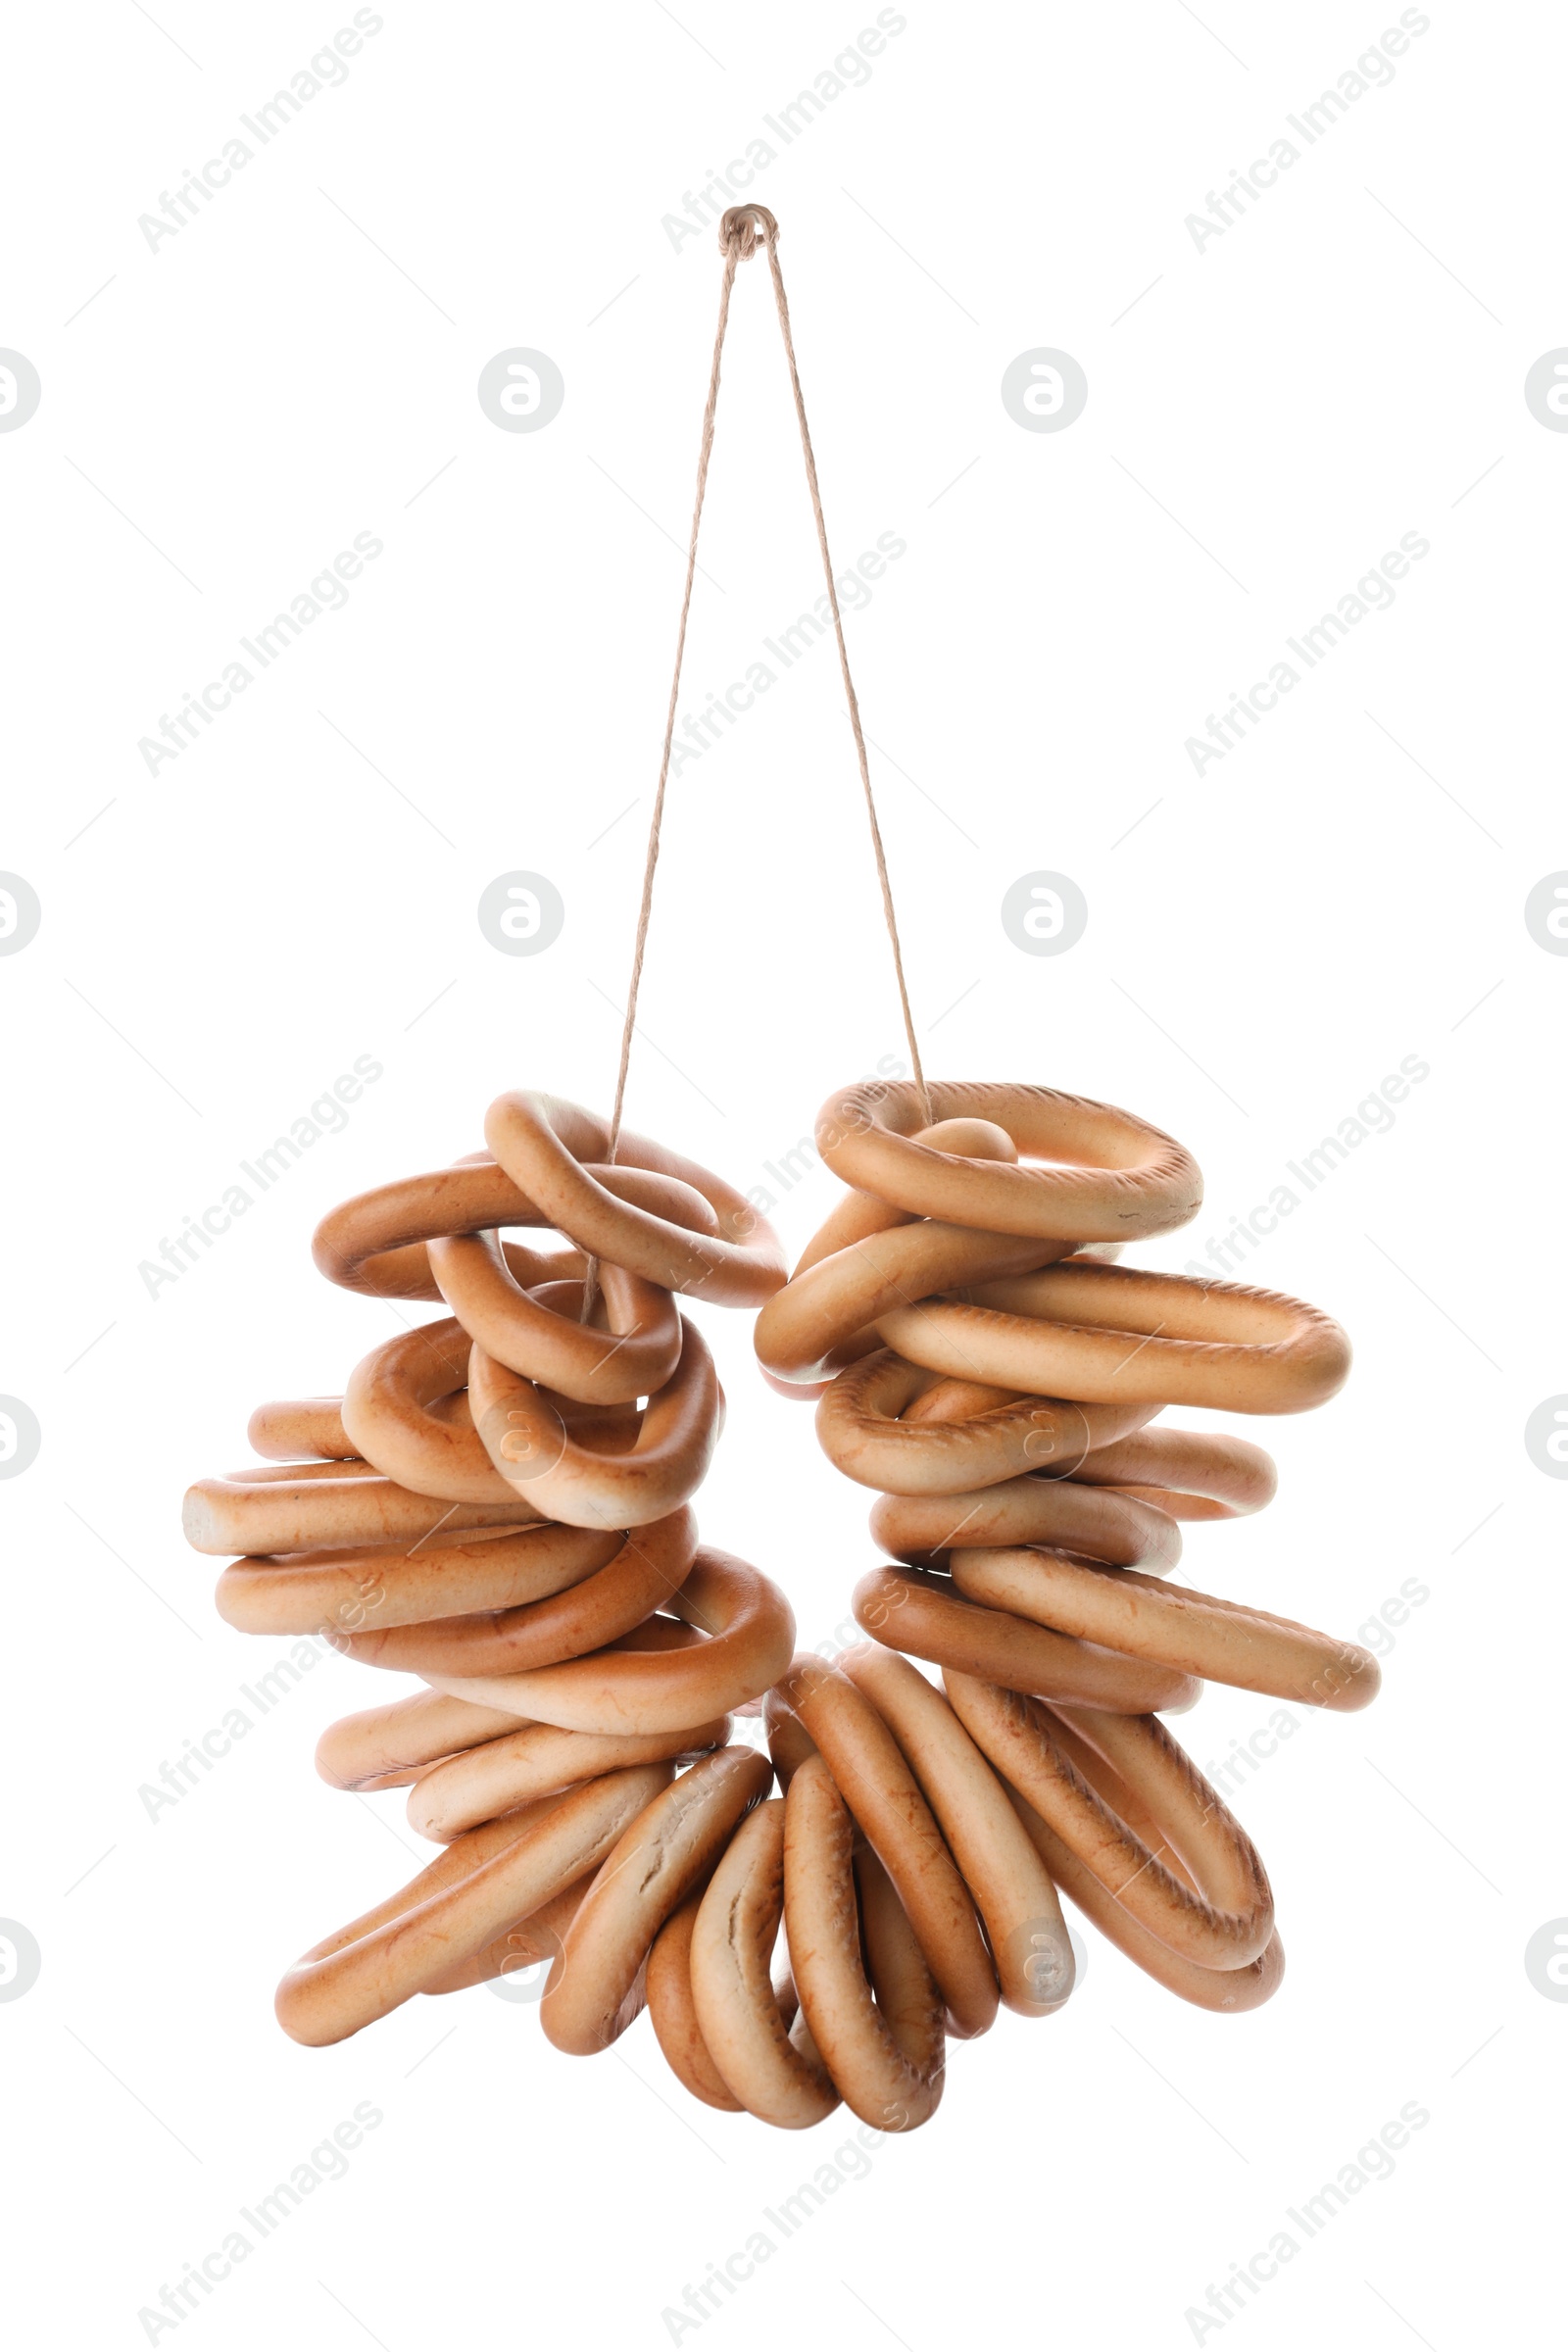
[(743, 229)]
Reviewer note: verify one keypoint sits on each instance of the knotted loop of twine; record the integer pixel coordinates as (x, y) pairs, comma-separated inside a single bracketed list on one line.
[(743, 227), (741, 230)]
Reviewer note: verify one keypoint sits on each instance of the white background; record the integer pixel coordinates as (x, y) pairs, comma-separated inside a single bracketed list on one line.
[(1344, 365)]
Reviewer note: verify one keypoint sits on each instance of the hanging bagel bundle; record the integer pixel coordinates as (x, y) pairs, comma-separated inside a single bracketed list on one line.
[(500, 1504)]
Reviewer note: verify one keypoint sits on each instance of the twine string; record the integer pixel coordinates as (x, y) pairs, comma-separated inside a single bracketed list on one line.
[(742, 229), (770, 233)]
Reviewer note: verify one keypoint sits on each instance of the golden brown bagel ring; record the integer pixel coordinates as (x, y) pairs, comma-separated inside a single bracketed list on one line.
[(864, 1428), (1102, 1525), (649, 1566), (387, 1747), (1107, 1177), (789, 1742), (1171, 1625), (533, 1453), (750, 1631), (1227, 1920), (1226, 1991), (322, 1506), (1192, 1474), (884, 1796), (472, 1893), (858, 1215), (667, 1986), (1105, 1333), (590, 1996), (349, 1590), (545, 1145), (869, 1257), (375, 1242), (533, 1760), (1137, 1799), (538, 1331), (906, 1609), (774, 2073), (386, 1414), (1011, 1889), (284, 1431), (537, 1937), (888, 2059), (805, 1331)]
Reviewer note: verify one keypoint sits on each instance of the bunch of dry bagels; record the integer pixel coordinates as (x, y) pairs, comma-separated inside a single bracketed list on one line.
[(499, 1504)]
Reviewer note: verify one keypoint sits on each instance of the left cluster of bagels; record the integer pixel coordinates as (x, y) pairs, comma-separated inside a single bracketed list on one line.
[(499, 1503)]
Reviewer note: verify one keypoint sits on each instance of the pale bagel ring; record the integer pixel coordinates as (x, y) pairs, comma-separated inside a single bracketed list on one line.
[(388, 1746), (353, 1590), (1101, 1333), (1011, 1889), (906, 1609), (538, 1936), (740, 2023), (888, 2057), (828, 1315), (881, 1791), (469, 1895), (547, 1145), (1172, 1625), (386, 1414), (1095, 1524), (858, 1215), (311, 1426), (645, 1876), (858, 1264), (1229, 1992), (864, 1429), (538, 1331), (749, 1633), (1098, 1174), (1190, 1473), (375, 1242), (650, 1565), (534, 1760), (529, 1441), (667, 1985), (328, 1507), (1228, 1921)]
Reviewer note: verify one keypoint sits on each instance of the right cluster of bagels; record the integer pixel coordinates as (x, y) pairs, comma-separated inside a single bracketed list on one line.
[(982, 1361)]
